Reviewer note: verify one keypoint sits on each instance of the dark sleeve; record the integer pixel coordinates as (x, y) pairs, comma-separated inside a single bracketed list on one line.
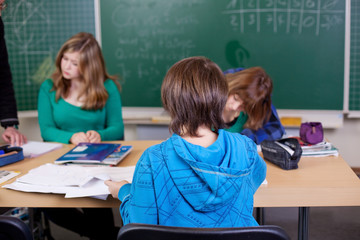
[(233, 70), (272, 129), (8, 110)]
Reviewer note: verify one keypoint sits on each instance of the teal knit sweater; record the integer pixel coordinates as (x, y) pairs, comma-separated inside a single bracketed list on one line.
[(60, 120)]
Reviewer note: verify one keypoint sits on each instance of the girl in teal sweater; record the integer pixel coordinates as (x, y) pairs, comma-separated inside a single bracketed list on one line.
[(81, 103)]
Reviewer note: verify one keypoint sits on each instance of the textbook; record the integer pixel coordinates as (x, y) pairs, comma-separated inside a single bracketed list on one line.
[(89, 153), (119, 154), (320, 149)]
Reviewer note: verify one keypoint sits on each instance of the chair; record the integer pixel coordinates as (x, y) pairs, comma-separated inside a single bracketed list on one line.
[(134, 231), (12, 228)]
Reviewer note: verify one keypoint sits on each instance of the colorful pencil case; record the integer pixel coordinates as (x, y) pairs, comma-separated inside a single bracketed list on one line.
[(10, 155)]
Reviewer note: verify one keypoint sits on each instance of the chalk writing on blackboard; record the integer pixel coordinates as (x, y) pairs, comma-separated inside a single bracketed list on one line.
[(151, 33), (289, 16), (34, 32), (25, 18)]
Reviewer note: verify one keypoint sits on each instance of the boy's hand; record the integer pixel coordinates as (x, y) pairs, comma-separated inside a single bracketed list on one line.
[(114, 187)]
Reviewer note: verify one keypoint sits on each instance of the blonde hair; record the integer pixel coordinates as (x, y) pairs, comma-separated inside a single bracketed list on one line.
[(91, 68), (194, 92), (254, 88)]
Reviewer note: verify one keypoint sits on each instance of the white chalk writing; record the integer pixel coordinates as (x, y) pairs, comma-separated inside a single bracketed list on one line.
[(289, 16)]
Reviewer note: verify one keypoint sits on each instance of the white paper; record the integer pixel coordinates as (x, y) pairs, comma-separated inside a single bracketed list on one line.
[(33, 149), (113, 173), (258, 148), (95, 187), (24, 187), (73, 180), (57, 175)]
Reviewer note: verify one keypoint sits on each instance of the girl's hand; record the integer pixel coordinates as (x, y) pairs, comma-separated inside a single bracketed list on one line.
[(114, 187), (78, 138), (93, 136)]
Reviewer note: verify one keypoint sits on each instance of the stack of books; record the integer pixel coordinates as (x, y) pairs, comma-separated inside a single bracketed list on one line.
[(95, 153), (319, 150)]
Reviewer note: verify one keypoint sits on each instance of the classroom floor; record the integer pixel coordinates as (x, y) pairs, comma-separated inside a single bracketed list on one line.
[(330, 223)]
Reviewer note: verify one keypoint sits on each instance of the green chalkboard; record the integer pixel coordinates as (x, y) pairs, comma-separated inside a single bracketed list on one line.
[(300, 43), (354, 90), (34, 32)]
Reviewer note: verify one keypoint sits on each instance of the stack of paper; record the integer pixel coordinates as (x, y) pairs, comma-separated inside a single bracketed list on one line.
[(73, 181), (34, 149)]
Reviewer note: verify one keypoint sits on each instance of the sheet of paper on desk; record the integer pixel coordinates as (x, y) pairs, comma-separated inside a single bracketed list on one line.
[(57, 175), (24, 187), (94, 187), (73, 180), (99, 191), (33, 149)]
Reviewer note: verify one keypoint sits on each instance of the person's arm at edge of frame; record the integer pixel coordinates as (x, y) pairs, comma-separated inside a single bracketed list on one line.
[(8, 109), (272, 130)]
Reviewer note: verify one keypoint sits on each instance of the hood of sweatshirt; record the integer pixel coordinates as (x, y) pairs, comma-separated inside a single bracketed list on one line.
[(209, 178)]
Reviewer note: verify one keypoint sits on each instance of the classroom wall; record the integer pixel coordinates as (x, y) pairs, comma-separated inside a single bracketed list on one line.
[(346, 138)]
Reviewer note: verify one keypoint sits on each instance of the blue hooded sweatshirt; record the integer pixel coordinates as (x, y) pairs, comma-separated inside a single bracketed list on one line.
[(177, 183)]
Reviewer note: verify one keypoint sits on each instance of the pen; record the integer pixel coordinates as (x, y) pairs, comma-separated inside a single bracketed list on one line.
[(8, 154)]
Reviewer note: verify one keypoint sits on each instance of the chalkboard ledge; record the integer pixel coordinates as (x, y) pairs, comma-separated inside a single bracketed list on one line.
[(145, 115), (158, 116), (353, 114), (28, 114), (328, 118)]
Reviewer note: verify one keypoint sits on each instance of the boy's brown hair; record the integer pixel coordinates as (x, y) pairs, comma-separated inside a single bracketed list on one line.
[(194, 92)]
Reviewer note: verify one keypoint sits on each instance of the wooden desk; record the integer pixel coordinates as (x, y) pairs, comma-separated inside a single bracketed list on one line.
[(319, 181), (11, 198), (325, 181)]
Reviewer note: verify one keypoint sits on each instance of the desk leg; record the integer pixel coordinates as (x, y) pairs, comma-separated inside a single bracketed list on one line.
[(260, 215), (32, 221), (303, 224)]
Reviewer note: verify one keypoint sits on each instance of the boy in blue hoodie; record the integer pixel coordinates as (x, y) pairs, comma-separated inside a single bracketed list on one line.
[(202, 176)]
